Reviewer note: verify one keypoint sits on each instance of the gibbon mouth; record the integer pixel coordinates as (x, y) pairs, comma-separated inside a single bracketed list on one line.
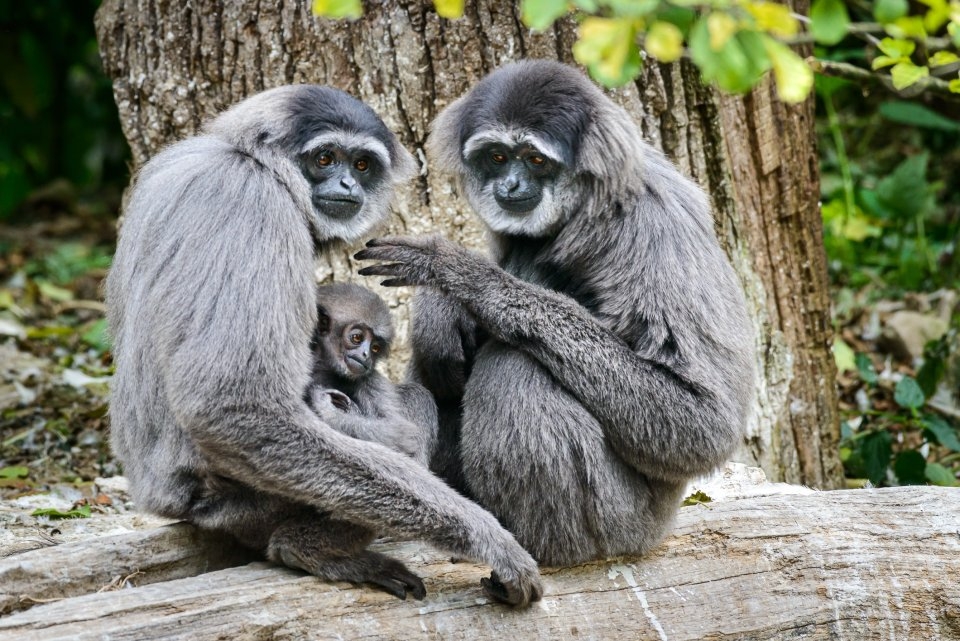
[(519, 205), (358, 363), (340, 207), (346, 200)]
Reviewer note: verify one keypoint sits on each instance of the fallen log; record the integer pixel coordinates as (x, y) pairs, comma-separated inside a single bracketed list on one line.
[(862, 564), (88, 566)]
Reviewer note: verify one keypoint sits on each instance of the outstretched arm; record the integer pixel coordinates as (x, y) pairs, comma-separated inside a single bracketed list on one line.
[(664, 422)]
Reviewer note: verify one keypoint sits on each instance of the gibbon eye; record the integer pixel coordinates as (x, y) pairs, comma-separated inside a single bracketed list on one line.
[(375, 348), (356, 338), (498, 158), (536, 160), (362, 164), (325, 159)]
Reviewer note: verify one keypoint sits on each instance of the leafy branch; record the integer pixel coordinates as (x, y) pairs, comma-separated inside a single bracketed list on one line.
[(735, 43)]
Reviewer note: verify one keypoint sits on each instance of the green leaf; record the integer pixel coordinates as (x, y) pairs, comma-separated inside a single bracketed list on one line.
[(14, 472), (910, 468), (875, 450), (885, 61), (453, 9), (352, 9), (843, 355), (54, 293), (954, 86), (589, 6), (537, 14), (905, 190), (697, 498), (631, 8), (954, 30), (931, 373), (939, 475), (907, 27), (865, 368), (96, 335), (941, 431), (908, 394), (607, 47), (896, 47), (680, 16), (774, 18), (794, 76), (943, 58), (854, 225), (81, 512), (916, 115), (828, 21), (737, 66), (721, 26), (905, 74), (664, 41), (49, 331), (889, 10), (937, 15)]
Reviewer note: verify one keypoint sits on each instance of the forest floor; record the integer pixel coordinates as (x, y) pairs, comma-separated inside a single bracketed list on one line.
[(55, 368)]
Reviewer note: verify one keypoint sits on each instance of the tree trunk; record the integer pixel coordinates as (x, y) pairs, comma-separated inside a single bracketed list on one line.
[(862, 564), (175, 64)]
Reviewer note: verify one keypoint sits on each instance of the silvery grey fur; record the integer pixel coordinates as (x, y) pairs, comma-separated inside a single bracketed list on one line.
[(211, 306), (607, 356), (369, 407)]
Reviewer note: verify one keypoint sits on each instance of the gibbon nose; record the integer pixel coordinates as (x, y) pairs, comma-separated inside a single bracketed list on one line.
[(349, 183)]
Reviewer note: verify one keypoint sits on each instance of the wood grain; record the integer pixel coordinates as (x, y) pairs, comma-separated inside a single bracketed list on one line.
[(863, 564)]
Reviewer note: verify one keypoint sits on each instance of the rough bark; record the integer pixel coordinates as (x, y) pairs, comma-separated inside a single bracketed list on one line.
[(865, 564), (175, 64)]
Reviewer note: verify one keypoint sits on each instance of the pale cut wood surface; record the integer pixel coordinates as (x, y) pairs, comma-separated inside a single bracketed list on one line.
[(82, 567), (857, 565)]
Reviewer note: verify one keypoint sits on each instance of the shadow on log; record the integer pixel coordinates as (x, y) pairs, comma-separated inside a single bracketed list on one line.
[(862, 564)]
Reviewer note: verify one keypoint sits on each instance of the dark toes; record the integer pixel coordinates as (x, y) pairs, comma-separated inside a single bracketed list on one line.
[(417, 590), (396, 573), (391, 586), (497, 590), (536, 593), (511, 593)]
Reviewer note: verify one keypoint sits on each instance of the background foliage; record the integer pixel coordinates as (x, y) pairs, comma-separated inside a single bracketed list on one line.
[(57, 112)]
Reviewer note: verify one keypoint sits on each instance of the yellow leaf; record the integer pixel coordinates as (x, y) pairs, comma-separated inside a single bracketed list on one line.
[(897, 48), (337, 8), (954, 86), (596, 35), (905, 74), (607, 46), (885, 61), (774, 18), (907, 27), (53, 292), (664, 41), (721, 27), (843, 355), (794, 76), (937, 16), (943, 58), (450, 9)]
